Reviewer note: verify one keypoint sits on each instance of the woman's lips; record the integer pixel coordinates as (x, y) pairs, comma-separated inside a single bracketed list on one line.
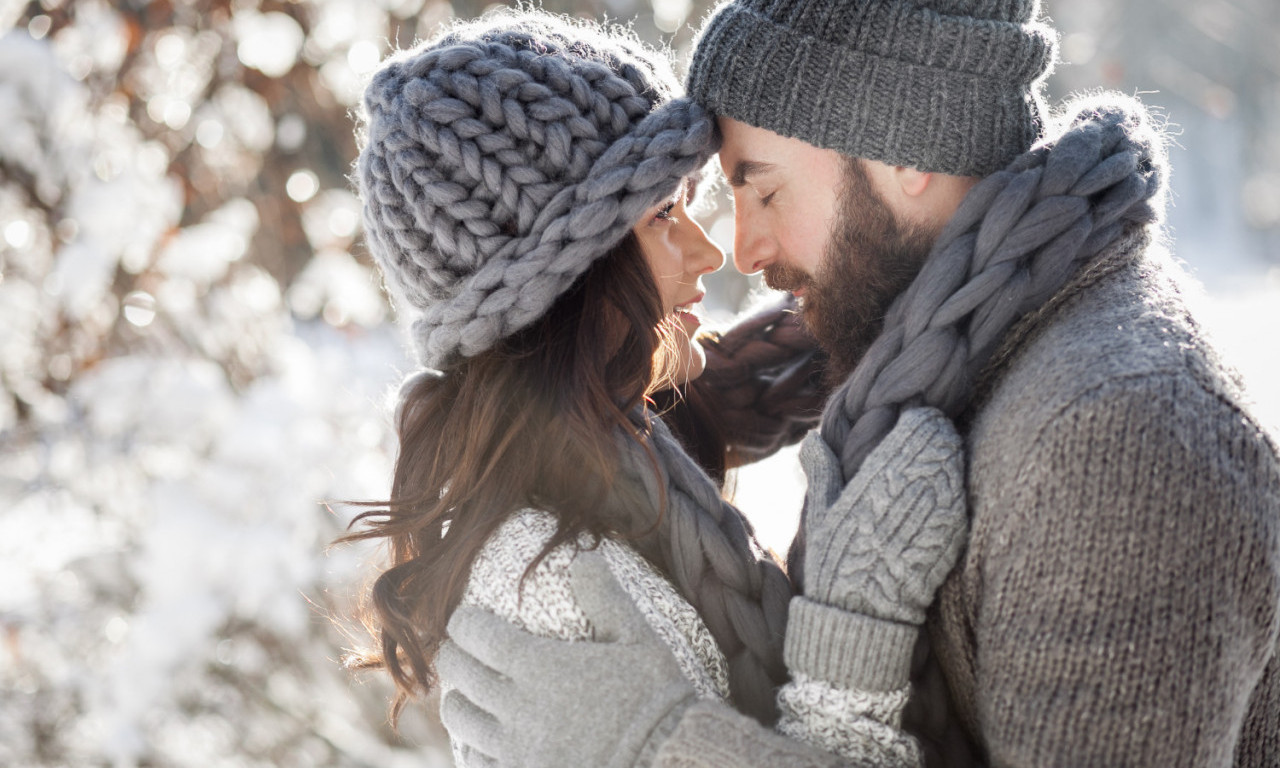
[(687, 313), (689, 321)]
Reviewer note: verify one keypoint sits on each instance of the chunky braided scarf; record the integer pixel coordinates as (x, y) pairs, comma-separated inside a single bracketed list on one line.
[(708, 550), (1016, 239)]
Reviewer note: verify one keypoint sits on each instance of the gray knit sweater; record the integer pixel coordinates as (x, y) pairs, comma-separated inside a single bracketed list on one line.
[(1119, 602), (822, 720)]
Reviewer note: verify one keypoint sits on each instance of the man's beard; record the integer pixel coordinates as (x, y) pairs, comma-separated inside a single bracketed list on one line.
[(869, 260)]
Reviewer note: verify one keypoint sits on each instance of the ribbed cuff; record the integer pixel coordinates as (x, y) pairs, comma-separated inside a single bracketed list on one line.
[(851, 650)]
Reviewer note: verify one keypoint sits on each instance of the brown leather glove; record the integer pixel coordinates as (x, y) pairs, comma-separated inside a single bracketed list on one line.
[(763, 381)]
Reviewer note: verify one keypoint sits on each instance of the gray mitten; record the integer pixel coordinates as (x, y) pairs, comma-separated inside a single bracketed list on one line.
[(522, 700), (882, 545), (878, 549)]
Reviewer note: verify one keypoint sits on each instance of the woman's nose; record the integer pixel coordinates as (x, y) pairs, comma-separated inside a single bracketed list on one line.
[(703, 256)]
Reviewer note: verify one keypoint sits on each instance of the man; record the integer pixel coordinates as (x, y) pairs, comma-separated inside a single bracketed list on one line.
[(1119, 600)]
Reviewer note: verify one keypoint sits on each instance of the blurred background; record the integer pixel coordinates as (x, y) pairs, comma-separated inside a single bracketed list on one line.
[(195, 353)]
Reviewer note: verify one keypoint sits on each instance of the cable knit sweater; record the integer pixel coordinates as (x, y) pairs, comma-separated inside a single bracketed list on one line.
[(861, 726), (1119, 602)]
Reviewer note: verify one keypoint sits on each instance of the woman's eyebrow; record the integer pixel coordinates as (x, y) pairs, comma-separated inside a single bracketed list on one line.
[(743, 170)]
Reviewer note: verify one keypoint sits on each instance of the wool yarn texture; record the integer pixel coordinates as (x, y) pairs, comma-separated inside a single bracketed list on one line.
[(765, 376), (707, 548), (949, 86), (502, 159), (1017, 238)]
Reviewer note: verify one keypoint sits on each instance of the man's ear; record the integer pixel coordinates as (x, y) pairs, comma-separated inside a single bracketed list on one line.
[(913, 182)]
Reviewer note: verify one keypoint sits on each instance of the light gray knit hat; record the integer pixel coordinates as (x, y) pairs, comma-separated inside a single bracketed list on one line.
[(950, 86), (501, 159)]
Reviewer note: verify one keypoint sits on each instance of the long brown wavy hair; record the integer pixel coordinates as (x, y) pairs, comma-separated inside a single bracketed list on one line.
[(530, 423)]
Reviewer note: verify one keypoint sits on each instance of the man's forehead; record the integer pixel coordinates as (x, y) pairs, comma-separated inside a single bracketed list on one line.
[(748, 151), (739, 137)]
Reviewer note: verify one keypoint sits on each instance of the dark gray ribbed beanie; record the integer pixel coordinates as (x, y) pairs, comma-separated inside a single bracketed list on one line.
[(949, 86), (500, 160)]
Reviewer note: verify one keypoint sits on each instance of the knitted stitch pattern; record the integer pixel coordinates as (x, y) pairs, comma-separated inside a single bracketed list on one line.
[(708, 550), (950, 86), (1119, 601), (500, 160), (865, 726), (1016, 239)]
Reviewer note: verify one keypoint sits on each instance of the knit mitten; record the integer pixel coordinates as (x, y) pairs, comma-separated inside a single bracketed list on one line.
[(513, 692), (878, 549)]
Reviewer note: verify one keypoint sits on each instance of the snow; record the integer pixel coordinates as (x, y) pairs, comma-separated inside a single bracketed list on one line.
[(203, 252)]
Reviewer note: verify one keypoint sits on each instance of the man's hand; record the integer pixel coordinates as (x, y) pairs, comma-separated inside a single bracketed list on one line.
[(882, 545), (522, 700)]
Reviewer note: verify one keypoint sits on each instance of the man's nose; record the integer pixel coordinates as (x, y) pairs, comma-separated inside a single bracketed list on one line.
[(751, 250)]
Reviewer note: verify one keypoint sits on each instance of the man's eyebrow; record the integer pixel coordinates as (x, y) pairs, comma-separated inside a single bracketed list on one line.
[(745, 169)]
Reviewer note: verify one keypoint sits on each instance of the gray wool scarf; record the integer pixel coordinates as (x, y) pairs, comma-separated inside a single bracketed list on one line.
[(1016, 239), (708, 550)]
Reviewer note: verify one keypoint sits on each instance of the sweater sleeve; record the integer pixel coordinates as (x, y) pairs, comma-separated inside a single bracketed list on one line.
[(822, 726), (1129, 594), (843, 705), (849, 684)]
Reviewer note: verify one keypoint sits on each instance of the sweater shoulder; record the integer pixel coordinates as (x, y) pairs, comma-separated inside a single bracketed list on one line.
[(540, 601), (1120, 412), (1130, 341)]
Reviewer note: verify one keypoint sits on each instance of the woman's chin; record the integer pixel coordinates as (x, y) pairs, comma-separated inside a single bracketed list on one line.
[(689, 322), (683, 356), (694, 363)]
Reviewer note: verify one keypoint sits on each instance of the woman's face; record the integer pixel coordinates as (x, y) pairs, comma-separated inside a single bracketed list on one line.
[(679, 254)]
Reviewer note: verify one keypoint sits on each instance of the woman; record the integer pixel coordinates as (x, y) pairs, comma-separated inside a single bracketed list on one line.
[(525, 181)]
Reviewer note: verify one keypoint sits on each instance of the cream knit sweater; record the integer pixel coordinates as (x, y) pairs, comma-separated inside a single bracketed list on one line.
[(863, 727)]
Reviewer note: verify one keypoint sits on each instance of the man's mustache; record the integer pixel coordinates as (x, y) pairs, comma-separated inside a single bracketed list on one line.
[(782, 277)]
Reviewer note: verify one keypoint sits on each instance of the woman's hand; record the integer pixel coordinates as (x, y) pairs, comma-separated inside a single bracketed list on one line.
[(522, 700)]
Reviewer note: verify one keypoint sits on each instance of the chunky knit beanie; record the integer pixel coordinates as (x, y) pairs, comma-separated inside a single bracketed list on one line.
[(949, 86), (503, 158)]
